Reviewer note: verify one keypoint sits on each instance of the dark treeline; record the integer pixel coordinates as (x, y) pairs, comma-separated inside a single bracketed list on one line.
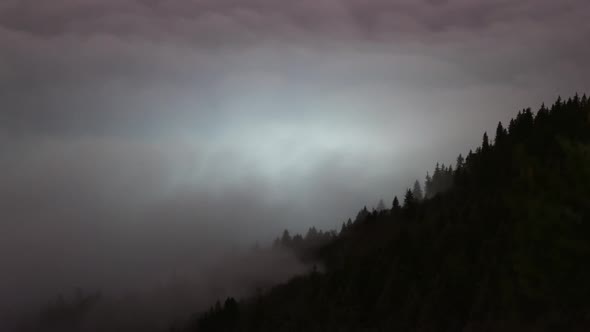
[(500, 241), (302, 245)]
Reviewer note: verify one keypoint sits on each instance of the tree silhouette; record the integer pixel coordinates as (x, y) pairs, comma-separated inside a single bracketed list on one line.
[(485, 146), (460, 162), (286, 238), (362, 215), (409, 203), (427, 185), (500, 134), (395, 206)]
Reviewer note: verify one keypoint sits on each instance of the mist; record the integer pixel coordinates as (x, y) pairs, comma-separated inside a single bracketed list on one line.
[(140, 140)]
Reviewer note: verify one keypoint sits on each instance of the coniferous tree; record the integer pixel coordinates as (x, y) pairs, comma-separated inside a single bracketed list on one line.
[(436, 180), (395, 206), (576, 100), (286, 238), (485, 146), (500, 134), (362, 214), (409, 202), (512, 127), (297, 241), (557, 104), (460, 162), (312, 234), (428, 186), (469, 158)]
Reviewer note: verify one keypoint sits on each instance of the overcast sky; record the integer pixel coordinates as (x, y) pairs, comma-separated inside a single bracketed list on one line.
[(146, 133)]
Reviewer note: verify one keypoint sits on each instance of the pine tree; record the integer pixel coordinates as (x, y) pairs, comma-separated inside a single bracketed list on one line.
[(500, 134), (542, 114), (436, 180), (460, 162), (362, 214), (576, 100), (312, 234), (528, 119), (409, 204), (511, 127), (428, 186), (395, 206), (558, 103), (485, 146), (409, 199), (286, 238)]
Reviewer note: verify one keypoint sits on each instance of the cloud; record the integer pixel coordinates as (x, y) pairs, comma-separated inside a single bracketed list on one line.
[(72, 64), (149, 133)]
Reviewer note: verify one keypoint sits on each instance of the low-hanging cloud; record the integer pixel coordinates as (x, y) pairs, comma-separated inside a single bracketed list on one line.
[(140, 136)]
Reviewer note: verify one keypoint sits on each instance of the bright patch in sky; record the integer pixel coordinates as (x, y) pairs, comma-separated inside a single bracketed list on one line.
[(277, 151)]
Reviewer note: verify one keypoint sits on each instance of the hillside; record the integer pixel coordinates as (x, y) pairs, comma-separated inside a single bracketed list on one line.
[(500, 242)]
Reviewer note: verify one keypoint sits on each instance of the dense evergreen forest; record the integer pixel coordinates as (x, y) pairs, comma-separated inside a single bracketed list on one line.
[(498, 242)]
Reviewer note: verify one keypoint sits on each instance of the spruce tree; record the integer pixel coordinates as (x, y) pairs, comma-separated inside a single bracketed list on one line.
[(286, 238), (428, 186), (409, 199), (500, 134), (460, 162), (485, 146), (395, 206)]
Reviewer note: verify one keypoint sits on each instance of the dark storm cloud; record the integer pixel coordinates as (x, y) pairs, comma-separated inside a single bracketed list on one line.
[(151, 133)]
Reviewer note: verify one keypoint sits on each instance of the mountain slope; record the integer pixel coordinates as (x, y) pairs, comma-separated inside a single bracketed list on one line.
[(505, 248)]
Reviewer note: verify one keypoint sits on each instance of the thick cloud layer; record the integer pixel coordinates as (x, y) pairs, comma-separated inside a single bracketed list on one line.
[(145, 135)]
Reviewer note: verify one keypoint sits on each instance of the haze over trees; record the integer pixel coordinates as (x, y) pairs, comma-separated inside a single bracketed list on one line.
[(499, 242)]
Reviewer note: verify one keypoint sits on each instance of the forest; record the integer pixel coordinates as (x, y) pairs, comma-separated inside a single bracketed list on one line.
[(500, 241)]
